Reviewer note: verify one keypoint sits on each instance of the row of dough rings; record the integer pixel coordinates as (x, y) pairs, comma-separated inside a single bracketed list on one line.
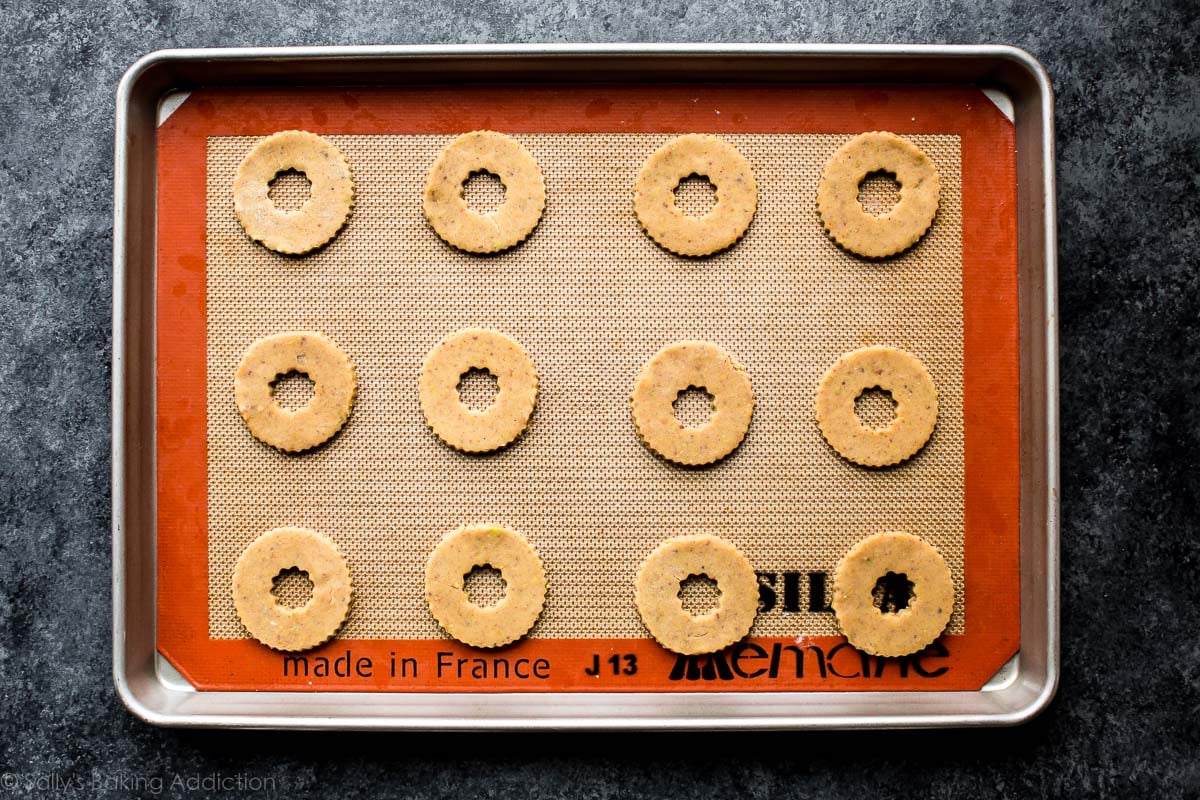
[(866, 626), (675, 369), (669, 372), (319, 220), (656, 596), (331, 199), (319, 619), (672, 370), (503, 549)]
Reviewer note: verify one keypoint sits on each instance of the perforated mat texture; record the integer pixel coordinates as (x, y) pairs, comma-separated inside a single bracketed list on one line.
[(591, 298)]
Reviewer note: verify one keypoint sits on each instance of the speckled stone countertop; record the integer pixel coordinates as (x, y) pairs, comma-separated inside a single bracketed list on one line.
[(1126, 722)]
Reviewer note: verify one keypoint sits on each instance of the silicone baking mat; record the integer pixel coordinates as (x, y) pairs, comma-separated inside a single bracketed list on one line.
[(591, 297)]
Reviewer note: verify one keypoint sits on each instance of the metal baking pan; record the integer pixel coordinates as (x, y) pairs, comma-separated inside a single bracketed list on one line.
[(155, 692)]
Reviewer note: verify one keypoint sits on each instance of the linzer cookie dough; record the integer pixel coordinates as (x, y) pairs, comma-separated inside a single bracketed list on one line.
[(265, 618), (505, 550), (524, 193), (307, 352), (727, 170), (892, 633), (894, 371), (844, 217), (464, 428), (662, 612), (675, 369), (322, 215)]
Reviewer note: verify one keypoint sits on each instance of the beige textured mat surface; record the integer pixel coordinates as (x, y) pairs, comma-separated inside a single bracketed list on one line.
[(591, 298)]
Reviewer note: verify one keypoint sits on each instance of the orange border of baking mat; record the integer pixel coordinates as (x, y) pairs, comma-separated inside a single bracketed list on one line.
[(990, 375)]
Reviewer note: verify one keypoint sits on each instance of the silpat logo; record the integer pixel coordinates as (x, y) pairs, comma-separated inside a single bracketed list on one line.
[(783, 592), (747, 660)]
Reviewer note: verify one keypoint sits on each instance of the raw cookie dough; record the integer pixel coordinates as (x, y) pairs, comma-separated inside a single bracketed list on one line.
[(273, 624), (727, 170), (464, 428), (478, 546), (674, 369), (334, 386), (844, 217), (321, 216), (910, 629), (911, 388), (524, 193), (662, 612)]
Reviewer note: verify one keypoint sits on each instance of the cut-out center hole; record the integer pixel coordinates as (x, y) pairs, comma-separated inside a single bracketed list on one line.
[(477, 389), (292, 588), (694, 407), (293, 391), (876, 408), (289, 190), (484, 192), (485, 586), (695, 196), (878, 193), (892, 593), (699, 595)]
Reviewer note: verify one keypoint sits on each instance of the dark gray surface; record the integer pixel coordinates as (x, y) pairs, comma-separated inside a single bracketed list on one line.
[(1125, 721)]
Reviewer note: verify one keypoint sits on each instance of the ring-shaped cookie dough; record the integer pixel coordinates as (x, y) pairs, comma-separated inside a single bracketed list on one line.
[(507, 551), (912, 390), (844, 217), (322, 215), (727, 170), (273, 624), (307, 352), (910, 629), (524, 193), (661, 609), (464, 428), (674, 369)]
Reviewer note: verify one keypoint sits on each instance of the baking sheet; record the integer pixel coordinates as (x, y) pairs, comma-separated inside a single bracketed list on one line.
[(163, 694)]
